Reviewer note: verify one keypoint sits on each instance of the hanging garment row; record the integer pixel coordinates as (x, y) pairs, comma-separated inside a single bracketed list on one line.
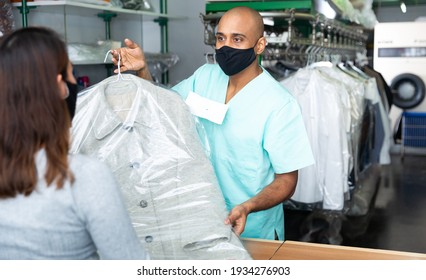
[(346, 117)]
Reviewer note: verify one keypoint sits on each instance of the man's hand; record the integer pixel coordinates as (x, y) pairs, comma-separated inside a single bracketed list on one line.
[(132, 57), (281, 188), (237, 218)]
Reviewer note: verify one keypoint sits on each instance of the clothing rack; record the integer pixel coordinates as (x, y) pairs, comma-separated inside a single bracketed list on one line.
[(299, 37)]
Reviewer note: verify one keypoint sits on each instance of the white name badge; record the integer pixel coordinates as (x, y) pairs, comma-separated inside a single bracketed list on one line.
[(206, 108)]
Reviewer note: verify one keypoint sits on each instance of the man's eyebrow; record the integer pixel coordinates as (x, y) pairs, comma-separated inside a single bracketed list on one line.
[(232, 34), (238, 34)]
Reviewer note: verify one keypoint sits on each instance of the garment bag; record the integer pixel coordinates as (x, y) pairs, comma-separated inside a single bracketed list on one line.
[(325, 117), (147, 135)]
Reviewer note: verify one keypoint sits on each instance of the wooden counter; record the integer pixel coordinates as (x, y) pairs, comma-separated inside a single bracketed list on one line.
[(294, 250)]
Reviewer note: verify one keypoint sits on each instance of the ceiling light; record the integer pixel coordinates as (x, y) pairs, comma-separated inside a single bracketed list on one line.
[(268, 21), (403, 7)]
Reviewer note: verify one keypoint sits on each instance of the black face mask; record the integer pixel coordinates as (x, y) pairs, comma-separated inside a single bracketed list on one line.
[(71, 99), (232, 61)]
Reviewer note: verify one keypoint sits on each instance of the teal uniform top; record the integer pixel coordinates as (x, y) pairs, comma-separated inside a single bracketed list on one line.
[(262, 134)]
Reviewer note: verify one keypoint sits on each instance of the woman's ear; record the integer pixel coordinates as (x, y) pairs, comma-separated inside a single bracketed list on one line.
[(63, 88)]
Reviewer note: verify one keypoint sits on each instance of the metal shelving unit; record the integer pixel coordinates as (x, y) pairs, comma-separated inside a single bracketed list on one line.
[(214, 7), (296, 27), (86, 8), (107, 13)]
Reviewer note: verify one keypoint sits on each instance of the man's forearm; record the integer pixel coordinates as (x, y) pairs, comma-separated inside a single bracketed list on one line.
[(278, 191)]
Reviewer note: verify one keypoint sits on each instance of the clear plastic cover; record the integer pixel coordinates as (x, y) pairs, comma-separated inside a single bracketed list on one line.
[(347, 136), (7, 23), (358, 11), (148, 137), (143, 5), (159, 63), (81, 53), (331, 111), (95, 2)]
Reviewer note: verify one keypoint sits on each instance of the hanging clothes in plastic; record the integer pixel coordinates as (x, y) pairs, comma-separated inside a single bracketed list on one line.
[(7, 22), (338, 106), (148, 137), (384, 123), (326, 123), (384, 88), (370, 143)]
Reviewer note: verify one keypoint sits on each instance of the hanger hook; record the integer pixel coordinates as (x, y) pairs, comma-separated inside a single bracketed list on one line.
[(118, 65)]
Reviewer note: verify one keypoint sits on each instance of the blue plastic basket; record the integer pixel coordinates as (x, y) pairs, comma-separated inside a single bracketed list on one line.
[(414, 129)]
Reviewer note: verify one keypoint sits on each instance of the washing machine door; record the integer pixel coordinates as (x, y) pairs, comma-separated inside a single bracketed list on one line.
[(408, 90)]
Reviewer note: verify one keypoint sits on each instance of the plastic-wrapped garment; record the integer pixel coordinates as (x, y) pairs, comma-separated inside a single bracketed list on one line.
[(355, 93), (354, 100), (7, 22), (357, 11), (143, 5), (147, 135), (374, 96), (159, 63), (95, 2), (382, 133), (325, 116), (80, 53)]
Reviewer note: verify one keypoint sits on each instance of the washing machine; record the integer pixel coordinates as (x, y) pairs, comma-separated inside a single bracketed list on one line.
[(400, 56)]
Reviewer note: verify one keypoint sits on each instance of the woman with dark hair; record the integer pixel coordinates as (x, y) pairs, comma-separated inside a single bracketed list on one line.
[(52, 205)]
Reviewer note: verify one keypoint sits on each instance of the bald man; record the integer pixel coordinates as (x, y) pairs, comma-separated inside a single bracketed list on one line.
[(254, 126)]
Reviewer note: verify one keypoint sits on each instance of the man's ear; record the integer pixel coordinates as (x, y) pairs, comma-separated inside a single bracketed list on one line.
[(261, 45)]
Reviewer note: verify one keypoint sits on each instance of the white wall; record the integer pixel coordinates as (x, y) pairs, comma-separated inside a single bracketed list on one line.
[(186, 38)]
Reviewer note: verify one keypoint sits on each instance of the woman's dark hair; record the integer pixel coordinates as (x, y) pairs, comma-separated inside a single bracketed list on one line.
[(33, 115)]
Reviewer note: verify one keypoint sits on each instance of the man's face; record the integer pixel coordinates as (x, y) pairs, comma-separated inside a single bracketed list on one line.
[(236, 31)]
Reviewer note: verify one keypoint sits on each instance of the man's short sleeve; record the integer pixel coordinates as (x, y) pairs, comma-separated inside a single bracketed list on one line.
[(286, 140)]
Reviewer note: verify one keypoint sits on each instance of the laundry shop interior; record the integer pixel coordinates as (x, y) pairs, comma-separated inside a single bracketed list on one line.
[(357, 69)]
